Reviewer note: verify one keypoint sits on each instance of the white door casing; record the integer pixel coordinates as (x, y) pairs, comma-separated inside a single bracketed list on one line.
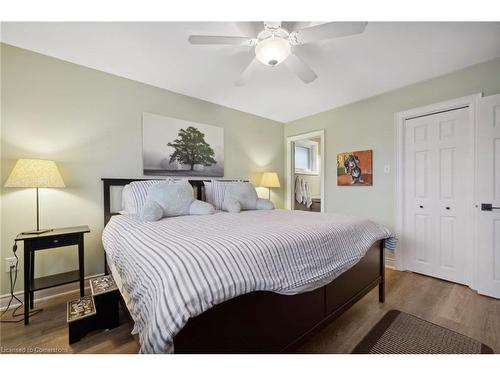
[(435, 166), (290, 167), (488, 191)]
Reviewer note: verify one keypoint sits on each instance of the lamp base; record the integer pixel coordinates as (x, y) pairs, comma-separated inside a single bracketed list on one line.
[(38, 231)]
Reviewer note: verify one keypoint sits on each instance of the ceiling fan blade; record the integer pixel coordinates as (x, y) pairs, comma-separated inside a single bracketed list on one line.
[(294, 25), (245, 75), (328, 30), (300, 68), (221, 40), (250, 27)]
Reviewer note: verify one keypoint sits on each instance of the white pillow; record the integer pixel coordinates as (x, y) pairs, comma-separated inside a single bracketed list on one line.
[(218, 190), (208, 192), (134, 195)]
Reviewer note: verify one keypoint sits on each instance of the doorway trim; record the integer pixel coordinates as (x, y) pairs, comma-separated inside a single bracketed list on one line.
[(399, 123), (288, 171)]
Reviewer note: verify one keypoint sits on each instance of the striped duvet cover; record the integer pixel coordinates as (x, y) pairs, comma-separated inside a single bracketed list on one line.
[(179, 267)]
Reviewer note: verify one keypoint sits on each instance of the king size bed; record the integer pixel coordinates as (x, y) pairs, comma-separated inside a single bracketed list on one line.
[(249, 282)]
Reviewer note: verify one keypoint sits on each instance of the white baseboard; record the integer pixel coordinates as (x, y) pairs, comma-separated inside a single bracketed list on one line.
[(45, 294), (390, 263)]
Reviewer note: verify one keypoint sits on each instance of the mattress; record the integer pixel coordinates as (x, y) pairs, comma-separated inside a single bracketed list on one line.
[(177, 268)]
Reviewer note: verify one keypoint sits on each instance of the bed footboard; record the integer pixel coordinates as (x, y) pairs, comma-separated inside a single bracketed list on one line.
[(266, 322)]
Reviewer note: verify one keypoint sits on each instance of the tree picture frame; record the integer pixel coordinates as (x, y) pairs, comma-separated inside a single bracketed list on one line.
[(175, 147)]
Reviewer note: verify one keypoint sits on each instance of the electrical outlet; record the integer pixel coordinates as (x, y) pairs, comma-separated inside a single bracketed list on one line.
[(9, 262)]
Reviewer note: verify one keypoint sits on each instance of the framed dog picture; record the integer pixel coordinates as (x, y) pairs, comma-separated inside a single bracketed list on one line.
[(354, 168)]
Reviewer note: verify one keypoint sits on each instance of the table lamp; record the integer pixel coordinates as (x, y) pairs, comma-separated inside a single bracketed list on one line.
[(35, 173), (270, 180)]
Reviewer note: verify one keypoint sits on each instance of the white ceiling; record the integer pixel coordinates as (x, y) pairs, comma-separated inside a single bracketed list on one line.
[(386, 56)]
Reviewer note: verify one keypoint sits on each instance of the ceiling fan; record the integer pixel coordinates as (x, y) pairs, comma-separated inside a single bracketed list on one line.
[(275, 43)]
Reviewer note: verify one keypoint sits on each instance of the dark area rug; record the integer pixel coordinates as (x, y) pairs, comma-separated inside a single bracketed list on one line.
[(401, 333)]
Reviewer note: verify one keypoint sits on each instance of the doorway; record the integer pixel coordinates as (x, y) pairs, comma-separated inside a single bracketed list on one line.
[(305, 172)]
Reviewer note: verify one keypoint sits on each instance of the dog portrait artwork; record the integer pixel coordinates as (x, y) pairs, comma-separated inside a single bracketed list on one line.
[(354, 168)]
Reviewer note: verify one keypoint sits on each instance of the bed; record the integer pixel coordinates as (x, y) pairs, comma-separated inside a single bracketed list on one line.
[(207, 289)]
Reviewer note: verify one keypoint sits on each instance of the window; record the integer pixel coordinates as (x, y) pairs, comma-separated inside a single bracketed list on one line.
[(306, 157), (302, 158)]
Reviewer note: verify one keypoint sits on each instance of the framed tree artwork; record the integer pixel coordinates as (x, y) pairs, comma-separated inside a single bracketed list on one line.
[(354, 168), (172, 147)]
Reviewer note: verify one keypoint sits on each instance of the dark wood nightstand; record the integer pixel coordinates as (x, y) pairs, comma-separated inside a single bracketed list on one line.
[(58, 237)]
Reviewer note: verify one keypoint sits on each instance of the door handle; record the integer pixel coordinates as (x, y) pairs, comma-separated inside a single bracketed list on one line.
[(488, 207)]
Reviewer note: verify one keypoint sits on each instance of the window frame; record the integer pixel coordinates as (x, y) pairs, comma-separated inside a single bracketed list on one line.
[(314, 166)]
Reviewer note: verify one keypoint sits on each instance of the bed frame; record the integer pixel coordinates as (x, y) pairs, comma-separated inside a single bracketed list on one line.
[(267, 322)]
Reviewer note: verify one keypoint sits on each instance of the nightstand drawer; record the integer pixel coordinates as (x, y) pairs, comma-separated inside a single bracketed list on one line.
[(50, 242)]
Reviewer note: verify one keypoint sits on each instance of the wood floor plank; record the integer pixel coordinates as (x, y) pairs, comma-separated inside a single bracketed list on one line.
[(450, 305)]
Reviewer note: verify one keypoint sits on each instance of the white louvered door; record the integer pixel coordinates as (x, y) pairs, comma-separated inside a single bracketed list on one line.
[(435, 197)]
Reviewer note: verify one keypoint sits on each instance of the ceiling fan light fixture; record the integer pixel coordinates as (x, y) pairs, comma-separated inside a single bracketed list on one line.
[(272, 51)]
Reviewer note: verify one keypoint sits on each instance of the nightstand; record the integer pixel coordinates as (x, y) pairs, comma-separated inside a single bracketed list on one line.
[(58, 237)]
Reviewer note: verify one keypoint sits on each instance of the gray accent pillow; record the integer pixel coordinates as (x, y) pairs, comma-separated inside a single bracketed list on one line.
[(151, 211), (264, 204), (232, 206), (201, 208), (174, 198), (242, 192)]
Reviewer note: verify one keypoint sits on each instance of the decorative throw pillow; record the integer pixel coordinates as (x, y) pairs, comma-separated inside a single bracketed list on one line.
[(175, 198), (134, 195), (231, 205), (242, 192), (264, 204), (201, 208), (151, 211)]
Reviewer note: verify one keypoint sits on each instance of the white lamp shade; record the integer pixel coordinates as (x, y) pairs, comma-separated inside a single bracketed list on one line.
[(272, 51), (35, 173), (270, 180)]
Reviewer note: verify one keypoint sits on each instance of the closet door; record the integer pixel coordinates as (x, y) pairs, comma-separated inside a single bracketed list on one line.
[(488, 196), (436, 155)]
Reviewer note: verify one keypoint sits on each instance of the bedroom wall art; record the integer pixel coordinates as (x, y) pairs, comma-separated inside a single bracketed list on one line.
[(354, 168), (172, 146)]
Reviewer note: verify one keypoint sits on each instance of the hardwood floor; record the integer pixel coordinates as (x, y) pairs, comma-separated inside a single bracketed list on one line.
[(450, 305), (48, 332)]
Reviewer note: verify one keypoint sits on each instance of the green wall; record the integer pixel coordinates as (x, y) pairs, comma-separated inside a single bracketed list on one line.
[(369, 124), (90, 123)]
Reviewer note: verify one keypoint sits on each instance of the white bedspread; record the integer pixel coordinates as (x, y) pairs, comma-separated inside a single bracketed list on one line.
[(179, 267)]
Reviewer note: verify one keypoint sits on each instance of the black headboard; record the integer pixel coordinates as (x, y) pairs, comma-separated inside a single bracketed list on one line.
[(108, 182), (198, 185)]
